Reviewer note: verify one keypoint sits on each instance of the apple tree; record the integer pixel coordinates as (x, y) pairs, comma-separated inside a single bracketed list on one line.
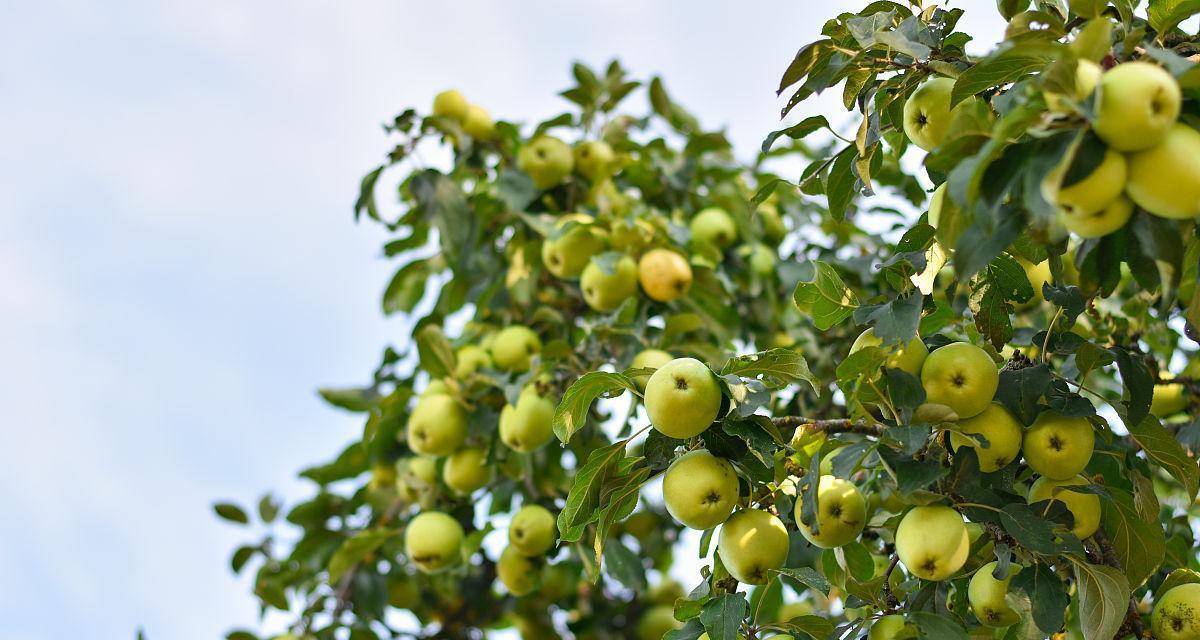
[(925, 369)]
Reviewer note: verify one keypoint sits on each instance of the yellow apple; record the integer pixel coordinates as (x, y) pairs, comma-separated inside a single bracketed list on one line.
[(762, 259), (1169, 399), (1084, 507), (433, 541), (437, 425), (604, 291), (700, 489), (1139, 102), (1177, 613), (567, 253), (1059, 447), (987, 596), (478, 123), (437, 386), (752, 544), (713, 226), (791, 610), (467, 470), (529, 424), (1100, 223), (418, 479), (682, 398), (908, 358), (594, 160), (841, 513), (514, 347), (450, 104), (546, 159), (665, 275), (469, 359), (649, 359), (1093, 193), (656, 622), (960, 376), (927, 113), (1087, 76), (1165, 179), (892, 627), (1002, 431), (932, 542), (532, 530), (517, 572)]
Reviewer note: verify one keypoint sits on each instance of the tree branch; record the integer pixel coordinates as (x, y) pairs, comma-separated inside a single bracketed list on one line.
[(839, 425)]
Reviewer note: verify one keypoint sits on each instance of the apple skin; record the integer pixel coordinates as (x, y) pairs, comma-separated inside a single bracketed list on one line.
[(466, 471), (437, 425), (682, 398), (664, 274), (594, 160), (1099, 224), (960, 376), (517, 572), (649, 359), (1169, 399), (1091, 194), (1087, 76), (1165, 179), (1059, 447), (433, 541), (605, 292), (469, 359), (762, 259), (752, 544), (932, 542), (418, 480), (665, 592), (478, 123), (1003, 432), (792, 610), (1177, 613), (908, 358), (567, 253), (1084, 507), (841, 513), (529, 424), (656, 622), (713, 226), (547, 160), (700, 490), (987, 596), (772, 222), (514, 347), (450, 104), (927, 113), (1139, 102), (892, 627), (532, 530)]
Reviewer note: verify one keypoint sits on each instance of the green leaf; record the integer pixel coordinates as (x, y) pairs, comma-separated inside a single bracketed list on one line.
[(241, 557), (777, 367), (437, 356), (937, 627), (1019, 58), (358, 400), (722, 616), (624, 565), (1103, 599), (1176, 578), (355, 549), (1167, 453), (571, 414), (268, 508), (993, 292), (1021, 390), (806, 59), (1031, 531), (231, 512), (796, 131), (1138, 383), (584, 498), (516, 189), (406, 288), (1047, 595), (618, 498), (826, 298), (813, 626), (443, 204), (1139, 544), (808, 577), (839, 185), (1166, 14), (366, 195)]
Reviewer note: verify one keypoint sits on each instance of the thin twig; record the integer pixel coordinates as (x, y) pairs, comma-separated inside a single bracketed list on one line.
[(839, 425)]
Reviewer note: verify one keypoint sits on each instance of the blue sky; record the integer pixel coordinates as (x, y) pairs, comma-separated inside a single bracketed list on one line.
[(180, 271)]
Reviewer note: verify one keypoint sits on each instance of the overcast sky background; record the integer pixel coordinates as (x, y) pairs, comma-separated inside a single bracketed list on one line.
[(179, 269)]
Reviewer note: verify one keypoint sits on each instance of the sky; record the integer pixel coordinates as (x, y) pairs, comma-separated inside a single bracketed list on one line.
[(179, 267)]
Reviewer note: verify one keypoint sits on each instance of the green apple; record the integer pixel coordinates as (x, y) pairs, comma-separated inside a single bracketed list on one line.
[(1177, 613), (1087, 76), (437, 425), (450, 104), (1001, 430), (682, 398), (467, 470), (700, 489), (383, 476), (532, 530), (987, 596), (1038, 275), (772, 222), (656, 622), (1165, 178), (1139, 102), (594, 160), (478, 123), (649, 359), (1059, 447), (469, 359), (752, 544), (927, 113), (664, 274), (1091, 194), (437, 386), (713, 226), (892, 627), (1100, 223), (665, 592), (841, 513), (762, 259), (791, 610), (517, 572), (418, 480), (568, 251), (546, 159), (605, 291), (514, 347), (403, 591), (908, 358), (1084, 507), (960, 376), (529, 424), (1169, 399), (932, 542), (433, 541)]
